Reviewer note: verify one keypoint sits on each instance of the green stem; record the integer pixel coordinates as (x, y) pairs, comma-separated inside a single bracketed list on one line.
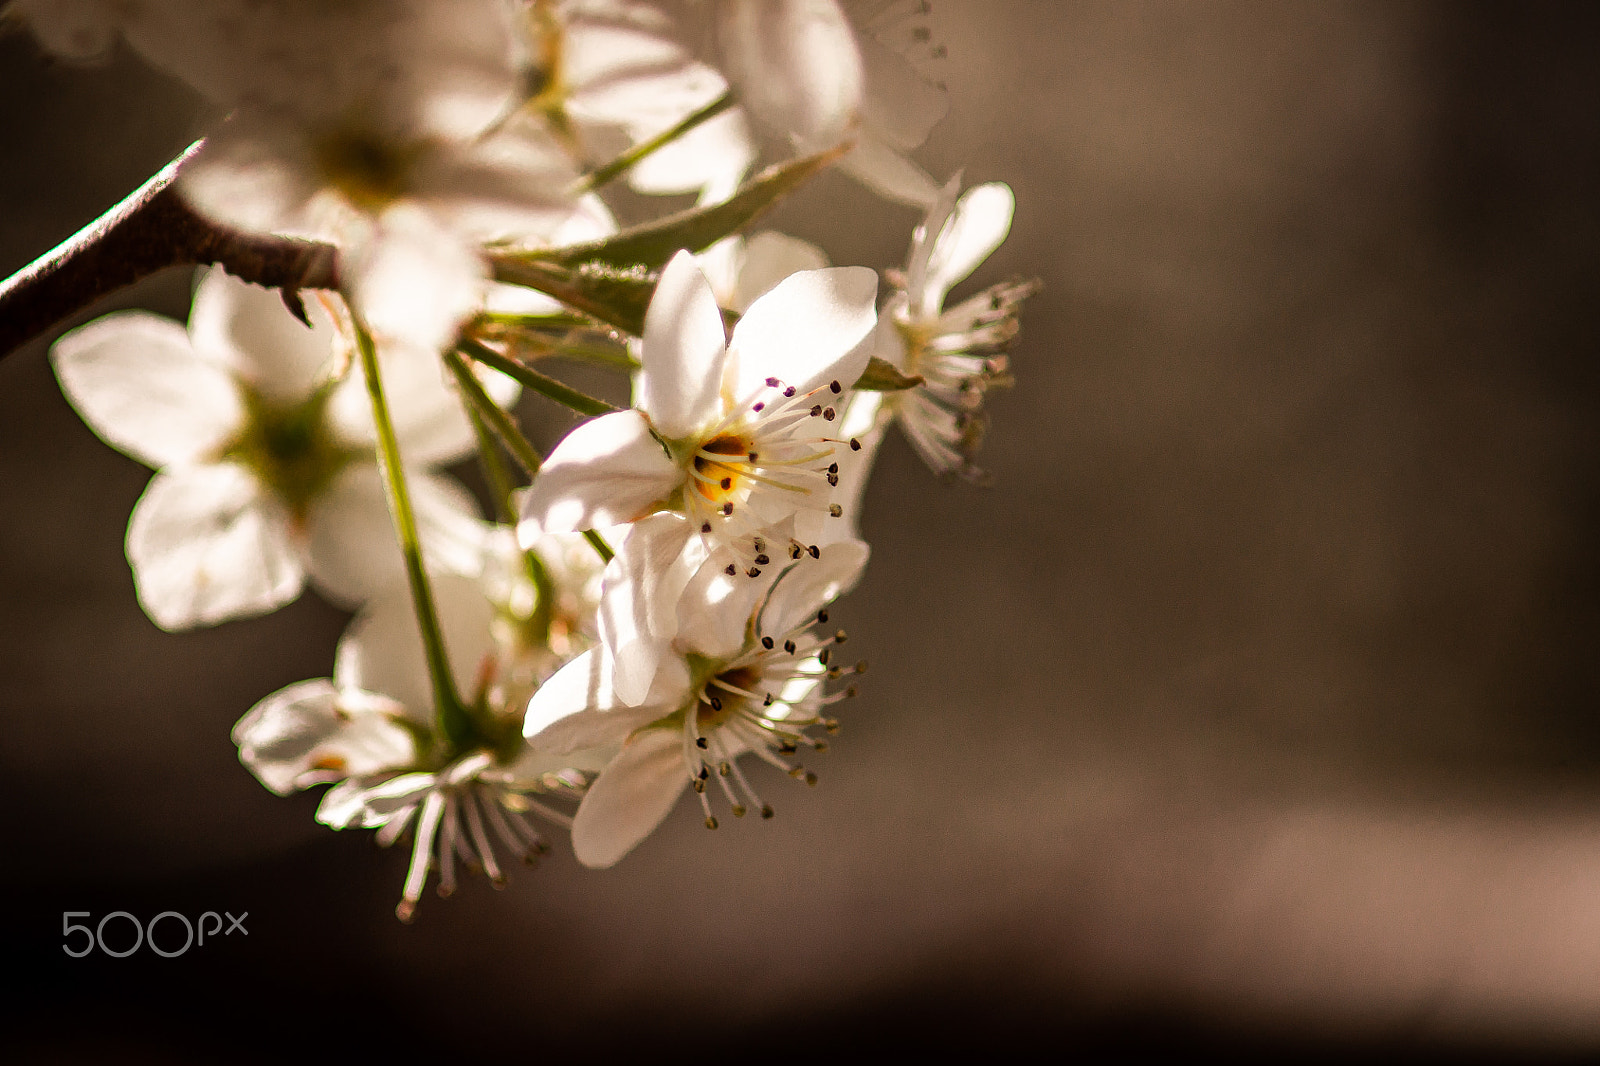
[(626, 160), (484, 406), (454, 724), (547, 387), (600, 545), (494, 468)]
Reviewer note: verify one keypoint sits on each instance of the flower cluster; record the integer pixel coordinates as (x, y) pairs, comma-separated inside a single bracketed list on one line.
[(648, 603)]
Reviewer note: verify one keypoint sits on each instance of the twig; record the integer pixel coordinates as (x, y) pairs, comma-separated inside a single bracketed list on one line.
[(148, 231)]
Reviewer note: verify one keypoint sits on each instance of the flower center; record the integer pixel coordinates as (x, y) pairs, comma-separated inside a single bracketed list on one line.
[(721, 465), (289, 448), (366, 169)]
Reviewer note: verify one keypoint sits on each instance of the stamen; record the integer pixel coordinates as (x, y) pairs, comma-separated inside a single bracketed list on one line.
[(480, 840), (421, 856)]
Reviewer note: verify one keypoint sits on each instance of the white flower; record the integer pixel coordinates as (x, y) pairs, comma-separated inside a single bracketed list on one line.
[(810, 73), (606, 75), (741, 270), (264, 454), (711, 701), (370, 731), (959, 352), (376, 126), (727, 451), (545, 598)]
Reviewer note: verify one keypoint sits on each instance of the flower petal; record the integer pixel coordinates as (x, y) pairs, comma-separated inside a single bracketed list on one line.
[(206, 545), (248, 328), (887, 171), (608, 471), (578, 706), (630, 798), (977, 226), (428, 418), (306, 734), (795, 65), (769, 258), (807, 331), (382, 650), (639, 599), (141, 386), (414, 280), (807, 587), (682, 353), (351, 550)]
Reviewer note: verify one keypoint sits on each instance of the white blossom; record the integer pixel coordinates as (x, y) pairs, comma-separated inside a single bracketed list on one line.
[(369, 731), (960, 353), (713, 699), (606, 75), (722, 456), (262, 438)]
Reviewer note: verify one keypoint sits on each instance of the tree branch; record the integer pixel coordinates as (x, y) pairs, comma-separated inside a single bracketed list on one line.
[(150, 230)]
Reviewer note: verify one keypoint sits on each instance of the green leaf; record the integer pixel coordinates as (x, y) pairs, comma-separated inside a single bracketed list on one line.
[(881, 376), (616, 297), (652, 244)]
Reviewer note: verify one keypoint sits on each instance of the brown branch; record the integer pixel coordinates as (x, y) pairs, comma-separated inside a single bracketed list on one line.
[(150, 230)]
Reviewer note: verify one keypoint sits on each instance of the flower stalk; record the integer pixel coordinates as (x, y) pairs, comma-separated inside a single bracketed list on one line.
[(543, 384), (455, 725)]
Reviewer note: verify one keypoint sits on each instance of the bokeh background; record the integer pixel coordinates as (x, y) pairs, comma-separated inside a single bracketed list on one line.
[(1253, 708)]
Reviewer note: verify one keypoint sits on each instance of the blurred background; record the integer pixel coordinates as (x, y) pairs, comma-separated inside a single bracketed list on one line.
[(1252, 709)]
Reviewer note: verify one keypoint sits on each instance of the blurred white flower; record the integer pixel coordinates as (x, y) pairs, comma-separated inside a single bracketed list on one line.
[(818, 73), (607, 75), (730, 442), (960, 353), (712, 700), (263, 442), (370, 731), (374, 125)]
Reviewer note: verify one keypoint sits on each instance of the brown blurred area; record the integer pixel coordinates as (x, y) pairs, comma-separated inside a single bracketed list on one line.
[(1253, 708)]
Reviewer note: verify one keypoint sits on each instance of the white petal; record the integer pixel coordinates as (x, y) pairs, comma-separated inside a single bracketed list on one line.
[(630, 798), (714, 610), (900, 105), (578, 706), (796, 66), (139, 384), (681, 357), (809, 586), (342, 805), (382, 650), (248, 328), (769, 258), (639, 599), (807, 331), (607, 471), (351, 549), (886, 171), (305, 734), (207, 545), (978, 226), (713, 155), (508, 187), (415, 280), (429, 421), (255, 174)]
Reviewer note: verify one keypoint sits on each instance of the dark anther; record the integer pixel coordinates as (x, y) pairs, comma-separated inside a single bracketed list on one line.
[(766, 811), (833, 468), (836, 387), (727, 483), (816, 409), (855, 445), (835, 510), (822, 657), (727, 508), (731, 570), (794, 551), (788, 646), (705, 527), (711, 823), (699, 786), (754, 571), (753, 457), (758, 407), (772, 383), (833, 479), (700, 742), (788, 392), (840, 637), (716, 704), (822, 616), (766, 642), (814, 551), (762, 560), (829, 414)]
